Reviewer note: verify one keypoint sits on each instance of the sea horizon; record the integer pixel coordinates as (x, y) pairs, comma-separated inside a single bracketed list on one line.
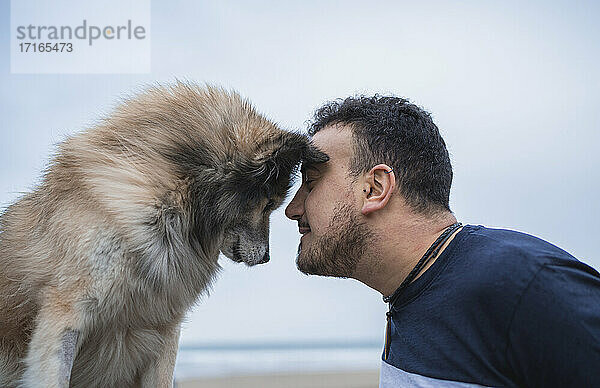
[(206, 360)]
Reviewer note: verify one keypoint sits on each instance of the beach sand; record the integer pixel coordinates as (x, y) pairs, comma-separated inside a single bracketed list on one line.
[(363, 379)]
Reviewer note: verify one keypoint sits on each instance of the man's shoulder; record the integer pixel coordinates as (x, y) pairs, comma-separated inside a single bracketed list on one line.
[(511, 249), (495, 304), (492, 261)]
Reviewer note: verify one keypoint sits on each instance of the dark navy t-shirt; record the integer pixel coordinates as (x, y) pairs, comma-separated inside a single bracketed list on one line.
[(497, 308)]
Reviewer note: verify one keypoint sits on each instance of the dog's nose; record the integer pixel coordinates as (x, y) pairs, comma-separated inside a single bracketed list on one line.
[(265, 258)]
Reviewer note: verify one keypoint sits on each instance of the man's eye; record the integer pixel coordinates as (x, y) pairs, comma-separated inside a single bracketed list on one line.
[(308, 184)]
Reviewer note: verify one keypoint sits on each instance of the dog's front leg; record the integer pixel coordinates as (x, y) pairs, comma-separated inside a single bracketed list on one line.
[(68, 349), (53, 345), (160, 373)]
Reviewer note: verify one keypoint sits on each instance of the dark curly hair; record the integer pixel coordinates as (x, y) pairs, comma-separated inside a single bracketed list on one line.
[(393, 131)]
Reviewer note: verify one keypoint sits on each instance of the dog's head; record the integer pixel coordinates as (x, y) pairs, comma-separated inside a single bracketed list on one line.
[(189, 171), (259, 185), (240, 167)]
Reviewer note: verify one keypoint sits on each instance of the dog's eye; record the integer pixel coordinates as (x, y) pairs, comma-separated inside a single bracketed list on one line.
[(270, 205)]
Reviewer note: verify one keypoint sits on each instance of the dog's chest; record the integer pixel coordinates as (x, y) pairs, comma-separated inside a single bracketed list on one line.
[(126, 332), (120, 355), (122, 295), (127, 318)]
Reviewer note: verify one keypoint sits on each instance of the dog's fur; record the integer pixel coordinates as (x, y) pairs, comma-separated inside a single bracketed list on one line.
[(100, 263)]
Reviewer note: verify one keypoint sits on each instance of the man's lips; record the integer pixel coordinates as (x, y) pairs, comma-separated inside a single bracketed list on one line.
[(303, 229)]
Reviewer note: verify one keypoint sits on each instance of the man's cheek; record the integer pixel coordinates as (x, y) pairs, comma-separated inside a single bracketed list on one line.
[(317, 220), (310, 214)]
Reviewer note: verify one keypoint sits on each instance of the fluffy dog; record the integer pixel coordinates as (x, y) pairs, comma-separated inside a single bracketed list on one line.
[(100, 263)]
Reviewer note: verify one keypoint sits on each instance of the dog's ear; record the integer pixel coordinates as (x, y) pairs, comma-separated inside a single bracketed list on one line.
[(312, 155), (289, 151), (271, 171)]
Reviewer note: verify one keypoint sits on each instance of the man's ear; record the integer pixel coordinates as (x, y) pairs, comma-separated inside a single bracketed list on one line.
[(378, 187)]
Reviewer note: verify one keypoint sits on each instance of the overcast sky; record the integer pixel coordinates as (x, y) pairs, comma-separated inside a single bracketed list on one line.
[(512, 85)]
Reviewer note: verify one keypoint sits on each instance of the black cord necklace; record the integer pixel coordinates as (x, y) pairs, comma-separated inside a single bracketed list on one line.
[(432, 252)]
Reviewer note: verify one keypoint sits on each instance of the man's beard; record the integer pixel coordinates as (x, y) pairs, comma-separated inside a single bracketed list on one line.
[(338, 251)]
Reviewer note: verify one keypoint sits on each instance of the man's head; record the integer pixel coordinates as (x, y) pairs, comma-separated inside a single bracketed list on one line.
[(385, 153)]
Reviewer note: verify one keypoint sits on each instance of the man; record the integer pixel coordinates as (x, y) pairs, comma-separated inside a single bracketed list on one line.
[(469, 306)]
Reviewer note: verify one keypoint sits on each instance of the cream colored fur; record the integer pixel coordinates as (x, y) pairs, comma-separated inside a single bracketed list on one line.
[(107, 247)]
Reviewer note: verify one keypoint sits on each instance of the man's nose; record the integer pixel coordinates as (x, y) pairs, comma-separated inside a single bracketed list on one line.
[(295, 209)]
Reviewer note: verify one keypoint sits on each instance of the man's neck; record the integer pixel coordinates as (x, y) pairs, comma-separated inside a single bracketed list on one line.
[(399, 249)]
